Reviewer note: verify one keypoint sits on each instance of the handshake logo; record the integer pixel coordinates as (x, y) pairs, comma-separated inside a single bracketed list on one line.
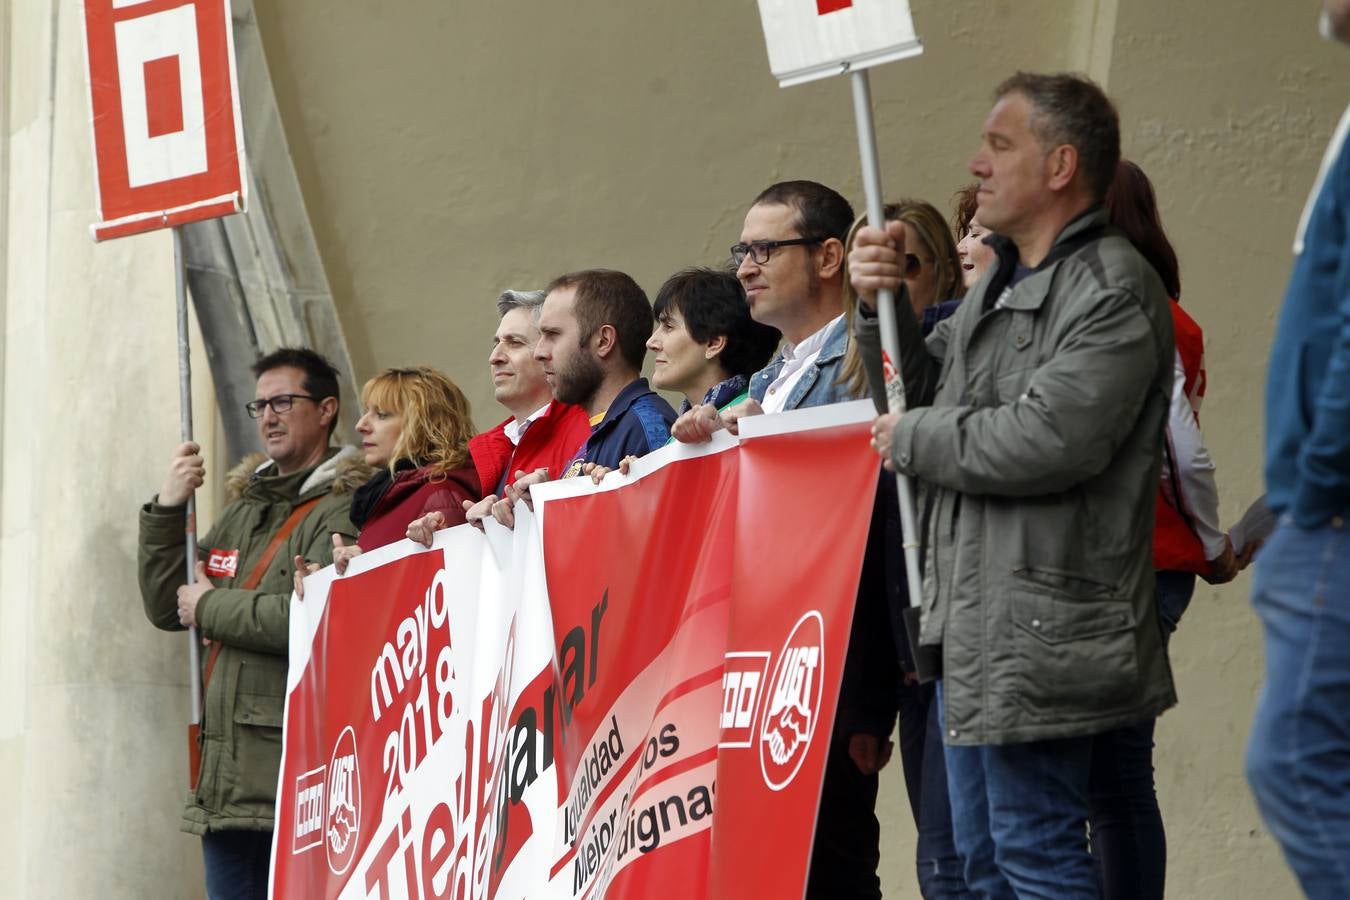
[(343, 820), (794, 702), (781, 726)]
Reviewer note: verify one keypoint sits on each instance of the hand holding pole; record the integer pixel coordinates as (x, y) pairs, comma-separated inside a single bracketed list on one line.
[(890, 346), (185, 428)]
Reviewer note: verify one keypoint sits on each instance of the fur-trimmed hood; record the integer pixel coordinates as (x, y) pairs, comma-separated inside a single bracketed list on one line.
[(346, 470)]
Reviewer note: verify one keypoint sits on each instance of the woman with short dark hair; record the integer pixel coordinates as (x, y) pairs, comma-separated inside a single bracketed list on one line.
[(705, 344)]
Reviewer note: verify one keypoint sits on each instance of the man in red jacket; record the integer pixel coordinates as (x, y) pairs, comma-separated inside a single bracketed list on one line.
[(541, 433)]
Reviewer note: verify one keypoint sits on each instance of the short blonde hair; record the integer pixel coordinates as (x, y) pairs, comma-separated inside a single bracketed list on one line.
[(437, 423)]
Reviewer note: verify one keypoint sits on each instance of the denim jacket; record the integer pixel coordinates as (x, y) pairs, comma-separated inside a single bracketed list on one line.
[(818, 385), (1308, 391)]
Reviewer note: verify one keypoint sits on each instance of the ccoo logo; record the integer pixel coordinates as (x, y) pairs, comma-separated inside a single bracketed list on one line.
[(343, 820), (794, 702)]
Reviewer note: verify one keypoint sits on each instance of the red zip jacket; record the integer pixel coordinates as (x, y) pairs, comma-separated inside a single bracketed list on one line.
[(1186, 532), (414, 494), (551, 441)]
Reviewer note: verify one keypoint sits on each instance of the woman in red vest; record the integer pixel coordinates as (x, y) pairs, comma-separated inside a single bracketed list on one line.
[(1128, 838)]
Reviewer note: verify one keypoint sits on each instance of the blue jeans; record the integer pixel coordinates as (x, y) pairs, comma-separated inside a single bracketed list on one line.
[(1175, 590), (236, 864), (1128, 838), (936, 863), (1019, 815), (1298, 757), (847, 847)]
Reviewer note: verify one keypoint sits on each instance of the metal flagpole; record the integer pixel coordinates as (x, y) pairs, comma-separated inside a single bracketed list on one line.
[(926, 662), (185, 426)]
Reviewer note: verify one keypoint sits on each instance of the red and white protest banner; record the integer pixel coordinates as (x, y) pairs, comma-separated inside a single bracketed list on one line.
[(811, 39), (168, 137), (630, 695)]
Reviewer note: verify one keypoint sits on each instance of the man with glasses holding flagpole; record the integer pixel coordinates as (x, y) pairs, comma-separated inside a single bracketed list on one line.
[(288, 502), (790, 260)]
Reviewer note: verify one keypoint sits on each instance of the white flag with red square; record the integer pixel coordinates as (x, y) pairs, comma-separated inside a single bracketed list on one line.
[(168, 136), (811, 39)]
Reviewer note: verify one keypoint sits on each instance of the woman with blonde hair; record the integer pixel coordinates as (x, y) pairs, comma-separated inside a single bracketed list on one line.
[(415, 430), (932, 275)]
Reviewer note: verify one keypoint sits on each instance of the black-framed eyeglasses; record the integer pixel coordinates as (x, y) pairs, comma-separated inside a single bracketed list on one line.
[(760, 251), (280, 403)]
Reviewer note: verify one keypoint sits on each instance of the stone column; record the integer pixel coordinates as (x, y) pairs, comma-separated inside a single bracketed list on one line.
[(93, 700)]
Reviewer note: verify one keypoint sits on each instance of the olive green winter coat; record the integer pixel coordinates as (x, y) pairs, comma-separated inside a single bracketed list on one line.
[(242, 706), (1035, 433)]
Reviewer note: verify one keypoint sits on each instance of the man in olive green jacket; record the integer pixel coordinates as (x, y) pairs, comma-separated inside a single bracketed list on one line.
[(1037, 462), (232, 807)]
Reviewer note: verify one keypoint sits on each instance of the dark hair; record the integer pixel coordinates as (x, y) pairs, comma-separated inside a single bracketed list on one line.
[(967, 204), (821, 211), (320, 379), (607, 297), (712, 303), (1072, 109), (1132, 207)]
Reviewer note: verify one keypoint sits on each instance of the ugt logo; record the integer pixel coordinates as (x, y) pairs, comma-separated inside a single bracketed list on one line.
[(794, 702), (343, 820)]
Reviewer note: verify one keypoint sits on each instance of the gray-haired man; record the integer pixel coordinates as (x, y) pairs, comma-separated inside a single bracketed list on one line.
[(1043, 401), (540, 433)]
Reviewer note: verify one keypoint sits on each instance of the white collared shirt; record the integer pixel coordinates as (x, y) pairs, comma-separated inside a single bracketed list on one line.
[(796, 359), (515, 429)]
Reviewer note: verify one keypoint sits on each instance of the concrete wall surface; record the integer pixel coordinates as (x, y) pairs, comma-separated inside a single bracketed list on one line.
[(93, 700), (448, 150)]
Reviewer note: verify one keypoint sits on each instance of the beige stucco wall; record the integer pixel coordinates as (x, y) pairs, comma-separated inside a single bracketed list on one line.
[(449, 150)]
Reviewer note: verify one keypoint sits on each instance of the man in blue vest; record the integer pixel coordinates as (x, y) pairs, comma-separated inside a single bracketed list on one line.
[(1298, 761)]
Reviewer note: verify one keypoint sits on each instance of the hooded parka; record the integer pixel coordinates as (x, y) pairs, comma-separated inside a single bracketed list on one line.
[(1035, 433), (244, 699)]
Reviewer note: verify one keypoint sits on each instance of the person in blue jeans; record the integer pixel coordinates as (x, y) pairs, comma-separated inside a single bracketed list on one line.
[(1298, 756), (1035, 416), (1127, 833)]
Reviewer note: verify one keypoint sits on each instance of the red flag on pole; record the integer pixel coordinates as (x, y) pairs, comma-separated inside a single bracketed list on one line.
[(168, 137)]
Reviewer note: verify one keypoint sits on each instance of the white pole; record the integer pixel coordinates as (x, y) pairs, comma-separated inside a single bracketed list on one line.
[(185, 427), (890, 338)]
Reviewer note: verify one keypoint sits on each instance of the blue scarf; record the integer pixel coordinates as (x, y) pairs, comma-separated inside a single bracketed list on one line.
[(721, 393)]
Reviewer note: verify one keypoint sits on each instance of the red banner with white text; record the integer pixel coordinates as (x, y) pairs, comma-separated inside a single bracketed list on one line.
[(613, 700)]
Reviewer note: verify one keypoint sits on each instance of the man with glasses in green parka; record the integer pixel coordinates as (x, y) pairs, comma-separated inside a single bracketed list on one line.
[(285, 503)]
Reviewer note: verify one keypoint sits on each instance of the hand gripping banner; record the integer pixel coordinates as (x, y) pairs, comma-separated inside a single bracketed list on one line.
[(630, 695)]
